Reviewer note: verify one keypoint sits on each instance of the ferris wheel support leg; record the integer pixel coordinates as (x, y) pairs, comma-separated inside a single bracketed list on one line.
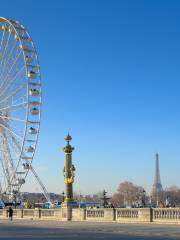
[(44, 190)]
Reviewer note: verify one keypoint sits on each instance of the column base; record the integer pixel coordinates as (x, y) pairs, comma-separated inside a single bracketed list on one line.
[(66, 211)]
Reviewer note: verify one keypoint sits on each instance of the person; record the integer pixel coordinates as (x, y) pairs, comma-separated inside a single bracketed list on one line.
[(10, 213)]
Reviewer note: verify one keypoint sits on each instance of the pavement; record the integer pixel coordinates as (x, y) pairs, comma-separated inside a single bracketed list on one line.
[(49, 230)]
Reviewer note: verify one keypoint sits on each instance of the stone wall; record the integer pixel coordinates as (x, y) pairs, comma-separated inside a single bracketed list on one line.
[(121, 215)]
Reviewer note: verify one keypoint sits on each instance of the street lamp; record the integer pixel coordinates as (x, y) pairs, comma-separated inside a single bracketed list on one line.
[(144, 198), (62, 196), (104, 199), (80, 196), (15, 198)]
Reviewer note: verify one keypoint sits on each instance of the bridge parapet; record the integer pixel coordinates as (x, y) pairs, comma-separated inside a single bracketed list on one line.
[(166, 215), (121, 215)]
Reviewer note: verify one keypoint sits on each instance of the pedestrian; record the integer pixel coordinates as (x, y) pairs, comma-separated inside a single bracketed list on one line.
[(10, 213)]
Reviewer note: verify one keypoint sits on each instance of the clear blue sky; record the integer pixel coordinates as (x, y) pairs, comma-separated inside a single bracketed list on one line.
[(111, 77)]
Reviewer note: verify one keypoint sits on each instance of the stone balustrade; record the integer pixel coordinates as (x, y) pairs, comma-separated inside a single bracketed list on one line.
[(127, 215), (121, 215), (169, 215), (100, 214)]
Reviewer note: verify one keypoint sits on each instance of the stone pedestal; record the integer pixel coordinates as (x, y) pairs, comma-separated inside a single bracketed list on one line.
[(37, 213), (19, 213), (109, 214), (66, 211), (78, 214), (5, 213), (145, 215)]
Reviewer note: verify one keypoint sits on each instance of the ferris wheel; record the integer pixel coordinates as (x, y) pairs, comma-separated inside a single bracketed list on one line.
[(20, 104)]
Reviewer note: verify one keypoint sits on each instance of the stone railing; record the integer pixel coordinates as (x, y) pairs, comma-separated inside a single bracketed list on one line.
[(27, 213), (169, 215), (95, 213), (100, 214), (47, 213), (121, 215), (50, 214), (126, 213), (133, 215)]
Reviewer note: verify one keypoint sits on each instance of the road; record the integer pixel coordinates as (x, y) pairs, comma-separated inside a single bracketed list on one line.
[(47, 230)]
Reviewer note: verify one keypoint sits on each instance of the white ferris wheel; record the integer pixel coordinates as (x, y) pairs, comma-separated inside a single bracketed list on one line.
[(20, 104)]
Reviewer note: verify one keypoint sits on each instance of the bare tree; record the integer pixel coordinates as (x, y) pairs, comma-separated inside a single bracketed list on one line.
[(117, 200), (169, 197), (128, 194)]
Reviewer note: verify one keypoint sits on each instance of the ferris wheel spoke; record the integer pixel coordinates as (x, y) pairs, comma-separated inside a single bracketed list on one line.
[(14, 58), (5, 151), (19, 131), (14, 161), (9, 57), (11, 68), (13, 142), (16, 143), (13, 101), (5, 50), (8, 151), (21, 99), (4, 59), (19, 148), (2, 39), (7, 161), (13, 149), (11, 80), (13, 93), (2, 44), (14, 119), (11, 120), (11, 108), (4, 79), (15, 134), (5, 173)]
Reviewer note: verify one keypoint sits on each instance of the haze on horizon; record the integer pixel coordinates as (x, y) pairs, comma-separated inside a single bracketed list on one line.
[(111, 77)]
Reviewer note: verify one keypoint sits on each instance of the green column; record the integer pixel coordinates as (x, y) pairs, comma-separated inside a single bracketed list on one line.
[(68, 169)]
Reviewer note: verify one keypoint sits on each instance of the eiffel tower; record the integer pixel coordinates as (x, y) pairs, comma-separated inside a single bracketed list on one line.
[(157, 186)]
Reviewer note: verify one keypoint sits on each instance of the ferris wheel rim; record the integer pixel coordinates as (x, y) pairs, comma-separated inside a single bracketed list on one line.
[(12, 23)]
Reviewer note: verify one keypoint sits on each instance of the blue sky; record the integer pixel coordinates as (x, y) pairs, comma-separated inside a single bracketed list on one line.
[(111, 77)]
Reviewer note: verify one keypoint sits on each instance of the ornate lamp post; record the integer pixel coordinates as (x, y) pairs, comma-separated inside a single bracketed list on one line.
[(68, 172), (68, 169)]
